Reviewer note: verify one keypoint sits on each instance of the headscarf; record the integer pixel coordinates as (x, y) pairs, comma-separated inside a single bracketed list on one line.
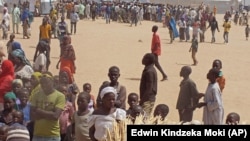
[(10, 95), (107, 90), (70, 74), (16, 45), (17, 82), (7, 69), (37, 75), (20, 54)]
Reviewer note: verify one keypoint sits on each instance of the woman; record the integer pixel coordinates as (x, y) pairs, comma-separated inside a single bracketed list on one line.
[(67, 56), (23, 69), (104, 118), (35, 83), (6, 115), (66, 79), (7, 75)]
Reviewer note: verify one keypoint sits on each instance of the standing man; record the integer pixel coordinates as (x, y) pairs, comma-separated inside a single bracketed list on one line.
[(15, 19), (46, 108), (156, 50), (148, 84), (188, 96), (74, 18), (45, 31), (62, 29)]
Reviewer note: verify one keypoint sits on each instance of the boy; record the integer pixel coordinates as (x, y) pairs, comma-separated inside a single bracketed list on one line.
[(133, 99), (188, 96), (194, 49), (92, 104), (9, 43), (227, 26), (4, 28), (24, 106)]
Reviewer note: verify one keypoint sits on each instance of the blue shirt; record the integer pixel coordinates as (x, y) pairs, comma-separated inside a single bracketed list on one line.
[(26, 112)]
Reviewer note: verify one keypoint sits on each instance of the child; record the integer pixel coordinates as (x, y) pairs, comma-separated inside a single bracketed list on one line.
[(80, 118), (17, 131), (9, 108), (9, 44), (40, 63), (26, 27), (3, 132), (161, 110), (137, 116), (92, 103), (194, 49), (217, 64), (66, 116), (233, 119), (56, 81), (4, 28), (24, 105), (247, 29), (133, 99)]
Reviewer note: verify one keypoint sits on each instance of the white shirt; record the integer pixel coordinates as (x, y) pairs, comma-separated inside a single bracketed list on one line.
[(41, 60), (6, 17)]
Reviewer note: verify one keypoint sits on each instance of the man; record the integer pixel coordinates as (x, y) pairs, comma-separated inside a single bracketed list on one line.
[(74, 18), (46, 108), (148, 84), (15, 19), (227, 26), (188, 96), (156, 50), (45, 31), (114, 74), (62, 29)]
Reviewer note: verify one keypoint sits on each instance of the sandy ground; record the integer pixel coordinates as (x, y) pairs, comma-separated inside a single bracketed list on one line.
[(99, 45)]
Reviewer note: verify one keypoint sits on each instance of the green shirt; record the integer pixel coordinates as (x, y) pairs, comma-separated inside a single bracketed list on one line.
[(45, 127)]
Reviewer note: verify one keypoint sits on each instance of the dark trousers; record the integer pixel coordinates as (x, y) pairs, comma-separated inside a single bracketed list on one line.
[(158, 66), (186, 115), (73, 25)]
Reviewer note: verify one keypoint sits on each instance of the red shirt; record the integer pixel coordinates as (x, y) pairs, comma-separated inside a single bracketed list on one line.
[(156, 44)]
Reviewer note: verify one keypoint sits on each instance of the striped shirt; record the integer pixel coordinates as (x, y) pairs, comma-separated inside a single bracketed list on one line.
[(18, 132)]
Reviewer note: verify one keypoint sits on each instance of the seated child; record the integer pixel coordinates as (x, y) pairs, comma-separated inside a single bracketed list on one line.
[(3, 132)]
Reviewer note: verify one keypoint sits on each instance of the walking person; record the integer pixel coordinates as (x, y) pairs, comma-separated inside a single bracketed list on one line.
[(227, 26), (214, 25), (156, 50), (62, 29), (194, 49)]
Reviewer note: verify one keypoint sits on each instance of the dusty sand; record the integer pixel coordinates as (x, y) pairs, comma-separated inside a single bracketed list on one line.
[(99, 45)]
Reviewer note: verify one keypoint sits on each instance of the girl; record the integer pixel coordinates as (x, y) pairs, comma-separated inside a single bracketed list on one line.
[(66, 115), (66, 79), (103, 118), (6, 116), (67, 56), (6, 77), (92, 103)]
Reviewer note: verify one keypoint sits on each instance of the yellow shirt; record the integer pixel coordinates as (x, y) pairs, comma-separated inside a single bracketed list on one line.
[(34, 91), (226, 26), (45, 31), (45, 127)]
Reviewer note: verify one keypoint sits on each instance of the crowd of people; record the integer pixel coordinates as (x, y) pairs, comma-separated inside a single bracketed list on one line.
[(39, 105)]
